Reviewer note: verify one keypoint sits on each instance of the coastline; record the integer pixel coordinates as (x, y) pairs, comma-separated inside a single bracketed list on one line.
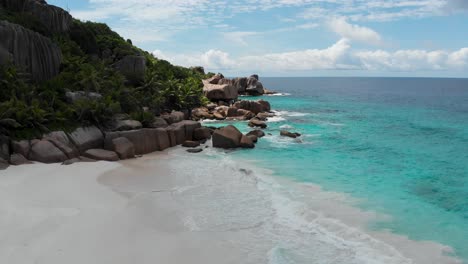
[(211, 207)]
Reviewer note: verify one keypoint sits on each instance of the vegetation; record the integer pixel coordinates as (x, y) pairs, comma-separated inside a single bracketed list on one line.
[(90, 51)]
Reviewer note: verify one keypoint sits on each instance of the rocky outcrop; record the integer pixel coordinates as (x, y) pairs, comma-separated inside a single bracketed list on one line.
[(133, 68), (158, 122), (21, 147), (241, 84), (62, 142), (227, 137), (124, 148), (85, 138), (254, 86), (257, 133), (194, 150), (257, 123), (253, 106), (246, 142), (124, 125), (18, 159), (218, 88), (202, 133), (29, 51), (101, 154), (191, 144), (285, 133), (46, 152), (55, 19), (173, 117)]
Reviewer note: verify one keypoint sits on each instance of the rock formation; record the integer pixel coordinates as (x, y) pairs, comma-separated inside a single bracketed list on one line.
[(31, 52), (133, 68), (55, 19)]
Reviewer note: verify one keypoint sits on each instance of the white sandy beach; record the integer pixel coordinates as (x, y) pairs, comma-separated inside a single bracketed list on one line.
[(174, 207)]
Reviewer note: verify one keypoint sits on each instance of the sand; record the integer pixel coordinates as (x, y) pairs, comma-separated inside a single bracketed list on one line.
[(175, 207)]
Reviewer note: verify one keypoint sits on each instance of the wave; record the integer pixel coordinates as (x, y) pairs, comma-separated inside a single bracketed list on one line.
[(278, 94), (290, 114), (298, 222)]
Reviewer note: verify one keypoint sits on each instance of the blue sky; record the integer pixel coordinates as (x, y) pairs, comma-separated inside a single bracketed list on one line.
[(294, 37)]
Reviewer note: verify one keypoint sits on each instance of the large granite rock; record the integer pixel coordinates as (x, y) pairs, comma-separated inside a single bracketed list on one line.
[(254, 122), (29, 51), (101, 154), (173, 117), (21, 147), (214, 91), (133, 68), (124, 148), (254, 87), (46, 152), (246, 142), (241, 84), (85, 138), (4, 147), (158, 122), (145, 140), (54, 18), (202, 133), (253, 106), (18, 159), (162, 138), (227, 137), (124, 125), (62, 142)]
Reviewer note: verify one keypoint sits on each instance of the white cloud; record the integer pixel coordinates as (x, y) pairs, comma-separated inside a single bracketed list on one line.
[(239, 37), (339, 56), (354, 32)]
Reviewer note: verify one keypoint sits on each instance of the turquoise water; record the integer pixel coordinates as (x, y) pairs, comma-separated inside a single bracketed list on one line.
[(400, 145)]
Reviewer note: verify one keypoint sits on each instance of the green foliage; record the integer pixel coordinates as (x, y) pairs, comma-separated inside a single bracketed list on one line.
[(26, 20), (89, 52)]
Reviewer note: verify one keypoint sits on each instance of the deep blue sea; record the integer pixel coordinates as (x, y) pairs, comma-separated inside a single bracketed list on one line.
[(399, 145)]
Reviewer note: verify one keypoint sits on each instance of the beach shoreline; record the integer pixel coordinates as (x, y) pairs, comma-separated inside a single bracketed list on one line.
[(210, 208)]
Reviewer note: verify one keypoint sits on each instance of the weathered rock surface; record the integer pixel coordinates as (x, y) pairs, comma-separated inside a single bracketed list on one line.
[(173, 117), (21, 147), (202, 113), (191, 144), (46, 152), (55, 19), (29, 51), (162, 138), (101, 154), (241, 84), (285, 133), (133, 68), (125, 125), (202, 133), (257, 123), (194, 150), (252, 106), (158, 122), (124, 148), (258, 133), (227, 137), (218, 88), (85, 138), (145, 140), (254, 87), (254, 138), (4, 147), (246, 142), (62, 142), (18, 159)]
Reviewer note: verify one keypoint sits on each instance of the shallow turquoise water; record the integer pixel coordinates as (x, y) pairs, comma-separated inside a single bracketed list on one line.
[(400, 145)]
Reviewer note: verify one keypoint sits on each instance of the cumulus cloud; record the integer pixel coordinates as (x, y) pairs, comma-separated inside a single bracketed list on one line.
[(339, 56), (239, 37), (354, 32)]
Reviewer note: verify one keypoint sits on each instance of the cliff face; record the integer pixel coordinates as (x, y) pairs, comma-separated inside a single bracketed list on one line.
[(29, 51), (55, 19)]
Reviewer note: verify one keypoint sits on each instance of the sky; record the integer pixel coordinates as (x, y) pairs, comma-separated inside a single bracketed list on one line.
[(401, 38)]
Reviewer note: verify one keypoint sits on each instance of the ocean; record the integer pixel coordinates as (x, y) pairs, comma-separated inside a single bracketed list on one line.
[(395, 148)]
